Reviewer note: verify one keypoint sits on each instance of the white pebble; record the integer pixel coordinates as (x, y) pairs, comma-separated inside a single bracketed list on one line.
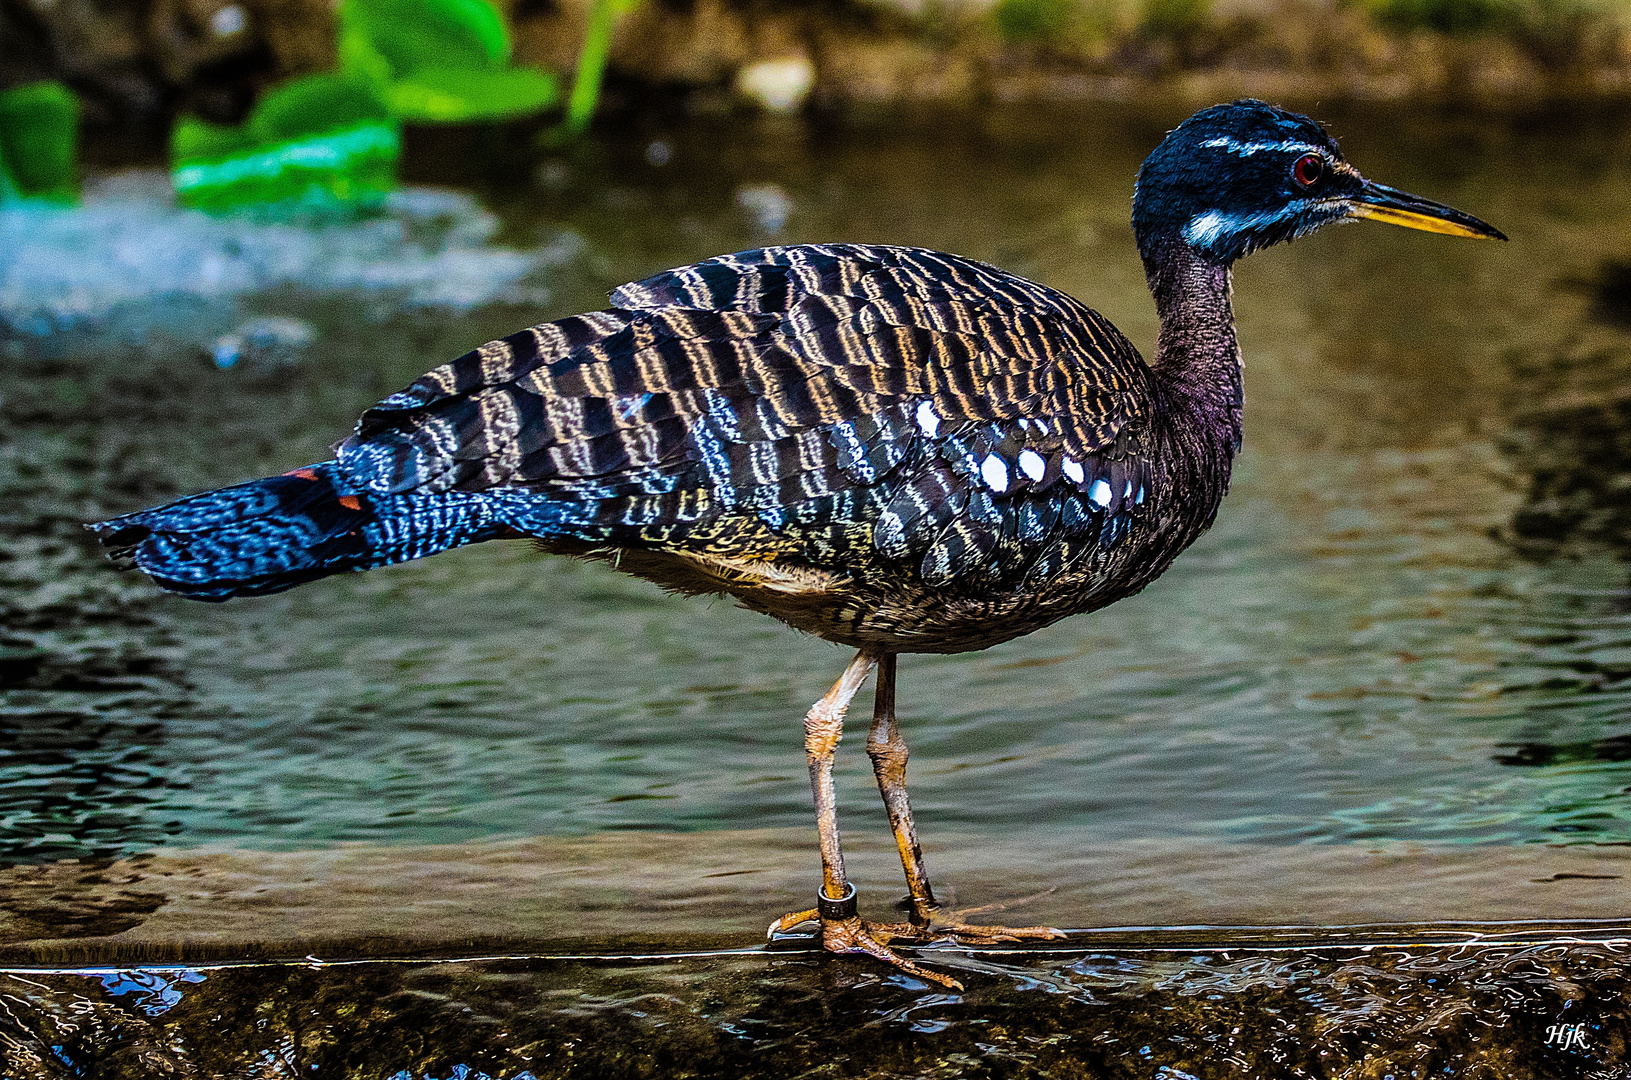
[(228, 21), (777, 85)]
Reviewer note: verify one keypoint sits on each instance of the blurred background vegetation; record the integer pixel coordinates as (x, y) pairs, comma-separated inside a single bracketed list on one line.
[(147, 62), (302, 102)]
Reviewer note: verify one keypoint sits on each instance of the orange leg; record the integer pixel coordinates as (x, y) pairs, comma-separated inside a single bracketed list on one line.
[(842, 929), (887, 749)]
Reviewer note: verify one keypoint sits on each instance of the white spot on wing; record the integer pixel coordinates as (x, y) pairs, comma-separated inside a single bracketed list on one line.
[(994, 471), (1073, 469), (927, 421), (1031, 464), (1099, 493)]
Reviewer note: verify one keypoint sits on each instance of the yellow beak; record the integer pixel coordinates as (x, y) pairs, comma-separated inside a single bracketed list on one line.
[(1413, 212)]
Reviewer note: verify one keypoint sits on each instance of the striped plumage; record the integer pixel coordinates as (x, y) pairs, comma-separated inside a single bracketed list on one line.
[(895, 449), (882, 446)]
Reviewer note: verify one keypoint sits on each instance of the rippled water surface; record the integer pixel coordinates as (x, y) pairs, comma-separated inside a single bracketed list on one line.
[(1409, 625), (1530, 1008)]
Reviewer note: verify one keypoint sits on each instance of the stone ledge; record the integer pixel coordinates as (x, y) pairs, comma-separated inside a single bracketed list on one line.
[(713, 889)]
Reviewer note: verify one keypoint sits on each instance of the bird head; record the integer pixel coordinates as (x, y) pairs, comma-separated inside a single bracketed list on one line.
[(1235, 178)]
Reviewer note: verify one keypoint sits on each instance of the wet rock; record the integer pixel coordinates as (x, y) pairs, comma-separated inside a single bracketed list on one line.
[(145, 59), (71, 900), (1531, 1009), (767, 204), (777, 85), (264, 346)]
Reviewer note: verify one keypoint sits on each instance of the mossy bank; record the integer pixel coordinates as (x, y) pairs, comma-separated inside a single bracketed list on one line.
[(145, 61)]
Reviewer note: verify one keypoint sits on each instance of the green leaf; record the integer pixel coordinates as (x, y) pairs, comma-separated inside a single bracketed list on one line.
[(441, 95), (8, 186), (411, 36), (314, 143), (39, 137), (336, 170), (313, 104), (194, 140), (309, 105)]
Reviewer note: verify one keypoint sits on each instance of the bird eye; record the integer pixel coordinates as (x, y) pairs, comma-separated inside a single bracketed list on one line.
[(1308, 170)]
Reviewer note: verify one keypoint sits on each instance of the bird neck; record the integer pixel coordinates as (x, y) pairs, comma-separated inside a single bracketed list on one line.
[(1197, 358)]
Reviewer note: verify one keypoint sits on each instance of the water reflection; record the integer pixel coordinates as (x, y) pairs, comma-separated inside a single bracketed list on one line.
[(153, 992), (1206, 1008), (1611, 292), (1577, 457)]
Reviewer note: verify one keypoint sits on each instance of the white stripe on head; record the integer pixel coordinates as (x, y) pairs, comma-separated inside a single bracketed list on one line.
[(1205, 230), (1246, 149)]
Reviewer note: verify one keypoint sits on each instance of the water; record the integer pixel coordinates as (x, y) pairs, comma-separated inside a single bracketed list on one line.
[(1390, 685), (1526, 1007)]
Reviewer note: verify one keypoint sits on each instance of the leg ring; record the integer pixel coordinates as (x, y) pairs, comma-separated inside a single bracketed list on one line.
[(836, 910)]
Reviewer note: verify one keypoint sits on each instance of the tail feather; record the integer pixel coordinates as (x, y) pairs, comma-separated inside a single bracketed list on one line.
[(273, 534)]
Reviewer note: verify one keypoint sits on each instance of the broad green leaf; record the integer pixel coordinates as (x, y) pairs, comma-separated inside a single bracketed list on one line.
[(440, 95), (359, 58), (335, 170), (39, 138), (313, 104), (193, 140), (412, 35)]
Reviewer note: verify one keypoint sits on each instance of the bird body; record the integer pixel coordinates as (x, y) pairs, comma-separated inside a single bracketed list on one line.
[(894, 449), (882, 446)]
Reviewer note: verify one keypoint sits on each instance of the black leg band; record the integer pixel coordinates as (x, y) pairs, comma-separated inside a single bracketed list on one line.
[(836, 910)]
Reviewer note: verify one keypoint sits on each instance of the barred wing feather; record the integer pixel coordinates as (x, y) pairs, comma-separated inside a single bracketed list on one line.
[(956, 415)]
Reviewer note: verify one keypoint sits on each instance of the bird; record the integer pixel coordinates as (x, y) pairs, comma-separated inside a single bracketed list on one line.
[(894, 449)]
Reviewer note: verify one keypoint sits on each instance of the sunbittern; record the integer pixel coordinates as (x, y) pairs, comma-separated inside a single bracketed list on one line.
[(894, 449)]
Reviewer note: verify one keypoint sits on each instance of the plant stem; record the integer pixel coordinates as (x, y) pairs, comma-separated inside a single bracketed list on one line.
[(597, 43)]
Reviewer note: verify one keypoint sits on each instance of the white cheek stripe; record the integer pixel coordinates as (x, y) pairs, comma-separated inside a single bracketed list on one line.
[(1206, 229)]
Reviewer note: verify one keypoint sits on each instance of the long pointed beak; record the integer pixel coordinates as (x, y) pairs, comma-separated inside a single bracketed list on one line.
[(1401, 208)]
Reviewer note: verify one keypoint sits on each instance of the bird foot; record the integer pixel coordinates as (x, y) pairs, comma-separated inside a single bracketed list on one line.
[(854, 934), (970, 934), (965, 933)]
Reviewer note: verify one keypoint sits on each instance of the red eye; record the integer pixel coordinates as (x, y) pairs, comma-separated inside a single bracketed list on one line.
[(1308, 170)]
